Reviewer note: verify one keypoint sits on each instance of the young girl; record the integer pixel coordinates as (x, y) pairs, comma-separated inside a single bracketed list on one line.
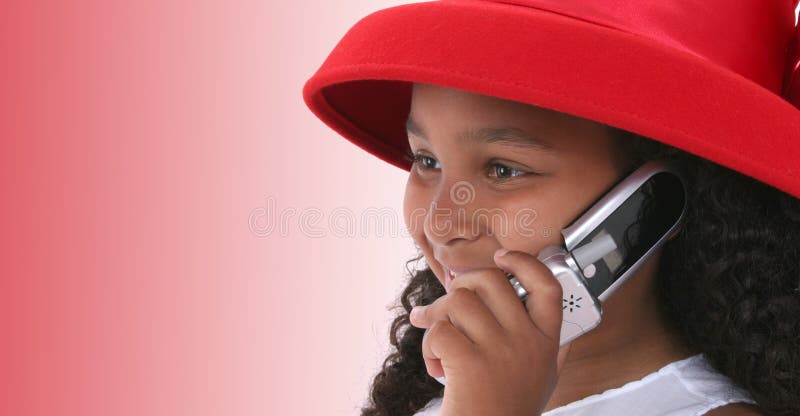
[(544, 105)]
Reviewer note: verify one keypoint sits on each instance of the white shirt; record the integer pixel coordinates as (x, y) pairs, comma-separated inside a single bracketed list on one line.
[(689, 387)]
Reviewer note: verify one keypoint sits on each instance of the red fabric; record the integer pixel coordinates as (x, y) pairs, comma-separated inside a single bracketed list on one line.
[(755, 50), (792, 89), (705, 76)]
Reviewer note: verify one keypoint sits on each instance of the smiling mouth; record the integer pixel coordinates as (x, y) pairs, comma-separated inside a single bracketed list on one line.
[(450, 276)]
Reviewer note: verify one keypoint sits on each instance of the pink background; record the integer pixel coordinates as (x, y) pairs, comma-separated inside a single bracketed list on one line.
[(147, 146)]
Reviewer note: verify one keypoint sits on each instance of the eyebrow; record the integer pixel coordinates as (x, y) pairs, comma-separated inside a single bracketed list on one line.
[(508, 136)]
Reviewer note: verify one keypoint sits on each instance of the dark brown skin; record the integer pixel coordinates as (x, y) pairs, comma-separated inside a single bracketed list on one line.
[(633, 339)]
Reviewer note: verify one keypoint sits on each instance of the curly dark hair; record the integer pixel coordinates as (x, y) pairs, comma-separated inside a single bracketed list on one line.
[(728, 283)]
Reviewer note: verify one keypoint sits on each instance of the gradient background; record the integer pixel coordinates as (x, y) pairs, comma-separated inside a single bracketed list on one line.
[(147, 148)]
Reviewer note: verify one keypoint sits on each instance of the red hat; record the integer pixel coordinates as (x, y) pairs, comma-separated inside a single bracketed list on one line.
[(716, 78)]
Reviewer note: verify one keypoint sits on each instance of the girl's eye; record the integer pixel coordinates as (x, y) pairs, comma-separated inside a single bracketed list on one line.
[(498, 171), (423, 162), (504, 172)]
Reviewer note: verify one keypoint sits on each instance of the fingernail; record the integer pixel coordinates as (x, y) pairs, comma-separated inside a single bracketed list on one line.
[(502, 252), (416, 312)]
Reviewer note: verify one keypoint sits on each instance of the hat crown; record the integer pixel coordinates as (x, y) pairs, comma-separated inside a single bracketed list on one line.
[(754, 38)]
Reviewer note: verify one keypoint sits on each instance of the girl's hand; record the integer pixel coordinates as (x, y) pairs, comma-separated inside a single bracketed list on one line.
[(498, 357)]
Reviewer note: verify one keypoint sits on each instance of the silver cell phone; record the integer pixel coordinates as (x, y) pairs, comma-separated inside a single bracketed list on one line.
[(610, 241)]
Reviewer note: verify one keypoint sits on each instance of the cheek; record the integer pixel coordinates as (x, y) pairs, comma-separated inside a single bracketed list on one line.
[(584, 189), (414, 205), (533, 224)]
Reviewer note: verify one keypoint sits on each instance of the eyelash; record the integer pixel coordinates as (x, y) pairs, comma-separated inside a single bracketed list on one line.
[(418, 158)]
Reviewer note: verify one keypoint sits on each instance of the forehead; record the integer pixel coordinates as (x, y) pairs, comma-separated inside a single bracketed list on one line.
[(441, 113), (449, 101)]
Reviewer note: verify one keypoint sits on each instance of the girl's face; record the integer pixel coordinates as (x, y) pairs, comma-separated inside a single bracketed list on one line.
[(492, 173)]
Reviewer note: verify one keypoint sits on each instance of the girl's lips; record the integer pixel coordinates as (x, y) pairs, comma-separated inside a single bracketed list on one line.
[(448, 279), (449, 276)]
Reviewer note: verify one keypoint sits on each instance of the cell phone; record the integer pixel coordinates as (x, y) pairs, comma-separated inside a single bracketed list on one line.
[(609, 242)]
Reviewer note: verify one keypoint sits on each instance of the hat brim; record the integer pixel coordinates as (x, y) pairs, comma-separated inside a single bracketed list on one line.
[(363, 89)]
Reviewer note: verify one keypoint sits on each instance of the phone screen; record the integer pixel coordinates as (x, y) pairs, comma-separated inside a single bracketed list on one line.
[(636, 226)]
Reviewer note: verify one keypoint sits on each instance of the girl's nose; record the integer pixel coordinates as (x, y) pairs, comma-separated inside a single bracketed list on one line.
[(451, 214)]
